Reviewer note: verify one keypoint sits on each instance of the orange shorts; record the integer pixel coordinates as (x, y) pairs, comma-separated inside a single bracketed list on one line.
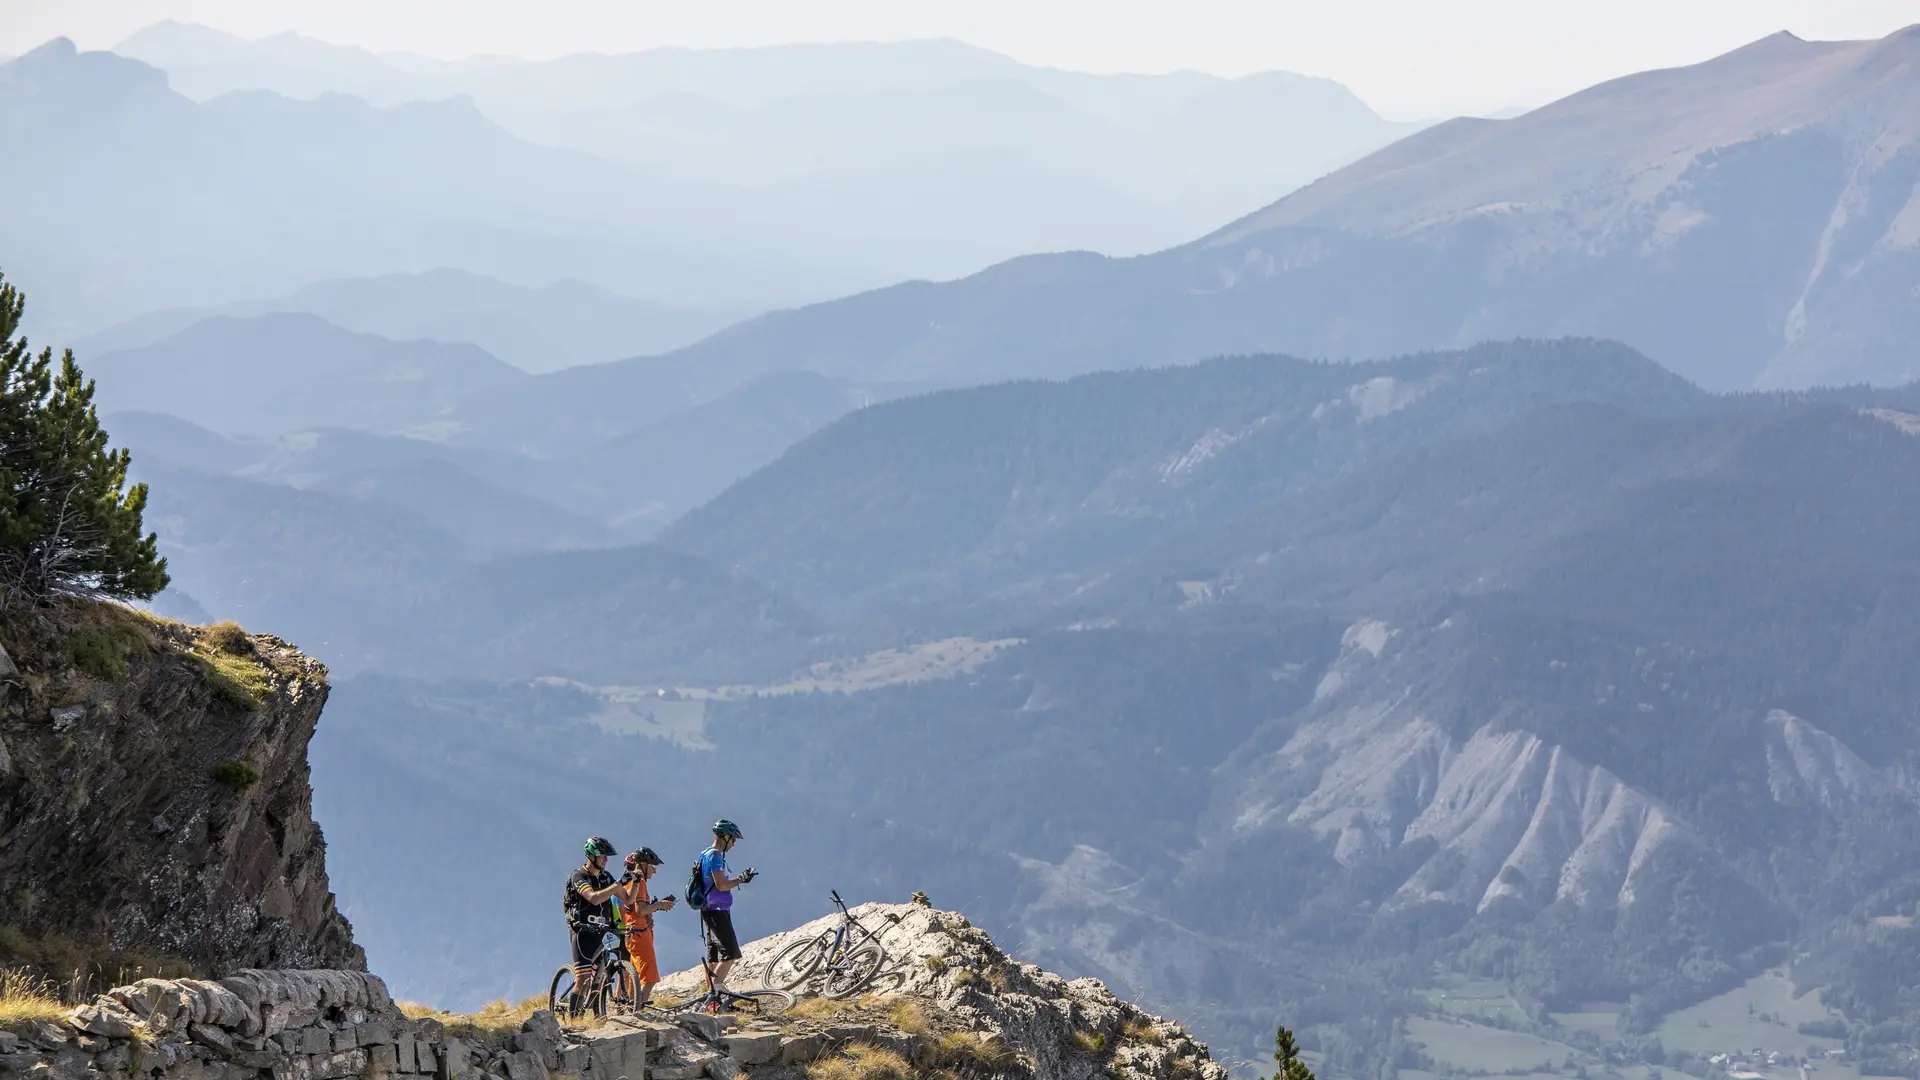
[(640, 948)]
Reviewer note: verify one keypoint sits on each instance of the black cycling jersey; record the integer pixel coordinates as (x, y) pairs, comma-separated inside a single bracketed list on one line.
[(579, 912)]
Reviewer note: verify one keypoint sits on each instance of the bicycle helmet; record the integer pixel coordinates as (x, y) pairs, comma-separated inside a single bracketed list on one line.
[(643, 857), (599, 845), (723, 827)]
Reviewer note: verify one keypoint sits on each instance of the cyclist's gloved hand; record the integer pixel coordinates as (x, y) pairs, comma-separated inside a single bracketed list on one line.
[(749, 875)]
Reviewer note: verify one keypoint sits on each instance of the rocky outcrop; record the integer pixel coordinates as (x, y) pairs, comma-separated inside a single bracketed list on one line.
[(949, 998), (154, 798), (300, 1025), (948, 1003)]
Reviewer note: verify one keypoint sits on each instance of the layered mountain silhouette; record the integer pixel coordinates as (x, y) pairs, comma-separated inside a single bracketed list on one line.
[(558, 325), (271, 174), (1748, 221)]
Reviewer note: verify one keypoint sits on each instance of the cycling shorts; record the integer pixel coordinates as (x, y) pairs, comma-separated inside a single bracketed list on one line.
[(722, 944), (586, 943)]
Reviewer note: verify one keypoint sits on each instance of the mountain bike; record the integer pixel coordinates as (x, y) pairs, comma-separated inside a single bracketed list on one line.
[(845, 959), (611, 986)]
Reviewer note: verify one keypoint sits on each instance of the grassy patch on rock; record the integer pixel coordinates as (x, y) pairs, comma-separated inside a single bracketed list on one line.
[(26, 998), (104, 649), (861, 1061), (962, 1048), (231, 665), (235, 774), (492, 1022)]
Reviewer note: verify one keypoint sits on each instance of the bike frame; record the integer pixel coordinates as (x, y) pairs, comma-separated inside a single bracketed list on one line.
[(842, 932)]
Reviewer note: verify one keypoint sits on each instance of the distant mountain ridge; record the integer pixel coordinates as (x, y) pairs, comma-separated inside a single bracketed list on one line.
[(216, 374), (562, 324), (1748, 221), (626, 172)]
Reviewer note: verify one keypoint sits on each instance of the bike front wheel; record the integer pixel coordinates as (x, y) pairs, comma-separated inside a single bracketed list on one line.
[(560, 992), (854, 971), (623, 986), (796, 963)]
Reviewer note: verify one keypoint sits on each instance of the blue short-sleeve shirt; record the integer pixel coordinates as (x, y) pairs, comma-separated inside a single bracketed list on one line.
[(710, 860)]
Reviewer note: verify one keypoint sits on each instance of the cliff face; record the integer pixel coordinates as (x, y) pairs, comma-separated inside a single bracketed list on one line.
[(154, 798)]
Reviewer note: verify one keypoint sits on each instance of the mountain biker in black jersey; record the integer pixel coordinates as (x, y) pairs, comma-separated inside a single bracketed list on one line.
[(590, 892), (717, 909)]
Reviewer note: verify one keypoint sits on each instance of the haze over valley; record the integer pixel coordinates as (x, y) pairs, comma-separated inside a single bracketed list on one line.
[(1447, 586)]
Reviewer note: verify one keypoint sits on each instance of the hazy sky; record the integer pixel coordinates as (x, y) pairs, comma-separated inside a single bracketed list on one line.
[(1407, 57)]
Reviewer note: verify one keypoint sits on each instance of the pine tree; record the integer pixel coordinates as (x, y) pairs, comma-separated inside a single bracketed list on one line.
[(1286, 1055), (69, 525)]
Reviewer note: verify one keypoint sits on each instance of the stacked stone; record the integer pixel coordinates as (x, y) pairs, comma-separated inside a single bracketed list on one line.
[(296, 1025)]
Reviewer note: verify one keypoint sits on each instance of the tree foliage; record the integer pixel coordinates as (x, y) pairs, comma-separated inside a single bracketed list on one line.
[(69, 524), (1286, 1057)]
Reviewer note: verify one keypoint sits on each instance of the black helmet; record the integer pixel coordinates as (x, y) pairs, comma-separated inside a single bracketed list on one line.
[(723, 827), (643, 857), (598, 845)]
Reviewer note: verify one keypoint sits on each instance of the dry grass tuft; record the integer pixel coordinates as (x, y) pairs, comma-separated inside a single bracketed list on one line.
[(818, 1008), (910, 1016), (966, 977), (861, 1061), (27, 998), (1141, 1029), (239, 679), (1183, 1068), (495, 1020), (1089, 1042), (936, 964), (971, 1048), (228, 637)]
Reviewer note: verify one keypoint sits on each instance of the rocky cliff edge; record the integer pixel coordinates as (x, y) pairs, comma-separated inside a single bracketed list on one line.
[(155, 807)]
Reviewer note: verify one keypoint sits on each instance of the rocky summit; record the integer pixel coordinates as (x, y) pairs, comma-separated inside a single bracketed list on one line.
[(948, 1004)]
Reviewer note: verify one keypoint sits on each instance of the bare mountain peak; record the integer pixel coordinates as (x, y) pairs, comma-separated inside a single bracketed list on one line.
[(1621, 142)]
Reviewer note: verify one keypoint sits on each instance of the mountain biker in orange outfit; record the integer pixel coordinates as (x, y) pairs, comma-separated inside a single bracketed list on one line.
[(639, 906)]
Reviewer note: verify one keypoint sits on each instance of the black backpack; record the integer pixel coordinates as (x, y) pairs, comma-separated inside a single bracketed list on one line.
[(697, 889)]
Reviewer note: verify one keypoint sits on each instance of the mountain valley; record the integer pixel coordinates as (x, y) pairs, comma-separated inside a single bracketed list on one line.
[(1462, 610)]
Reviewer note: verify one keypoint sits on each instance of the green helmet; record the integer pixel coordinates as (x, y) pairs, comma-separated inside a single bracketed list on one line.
[(723, 827), (598, 845)]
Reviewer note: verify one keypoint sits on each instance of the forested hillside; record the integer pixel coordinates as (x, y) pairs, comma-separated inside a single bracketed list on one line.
[(1255, 680)]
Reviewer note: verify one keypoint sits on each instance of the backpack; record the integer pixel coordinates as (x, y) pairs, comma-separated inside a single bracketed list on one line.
[(697, 889)]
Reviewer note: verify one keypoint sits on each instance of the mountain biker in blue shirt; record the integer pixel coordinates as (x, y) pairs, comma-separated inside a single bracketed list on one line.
[(723, 946)]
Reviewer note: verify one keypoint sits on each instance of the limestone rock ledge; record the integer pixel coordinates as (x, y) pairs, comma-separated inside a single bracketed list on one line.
[(293, 1025)]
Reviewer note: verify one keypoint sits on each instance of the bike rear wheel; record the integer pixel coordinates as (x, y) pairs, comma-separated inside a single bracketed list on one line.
[(852, 974), (796, 963)]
